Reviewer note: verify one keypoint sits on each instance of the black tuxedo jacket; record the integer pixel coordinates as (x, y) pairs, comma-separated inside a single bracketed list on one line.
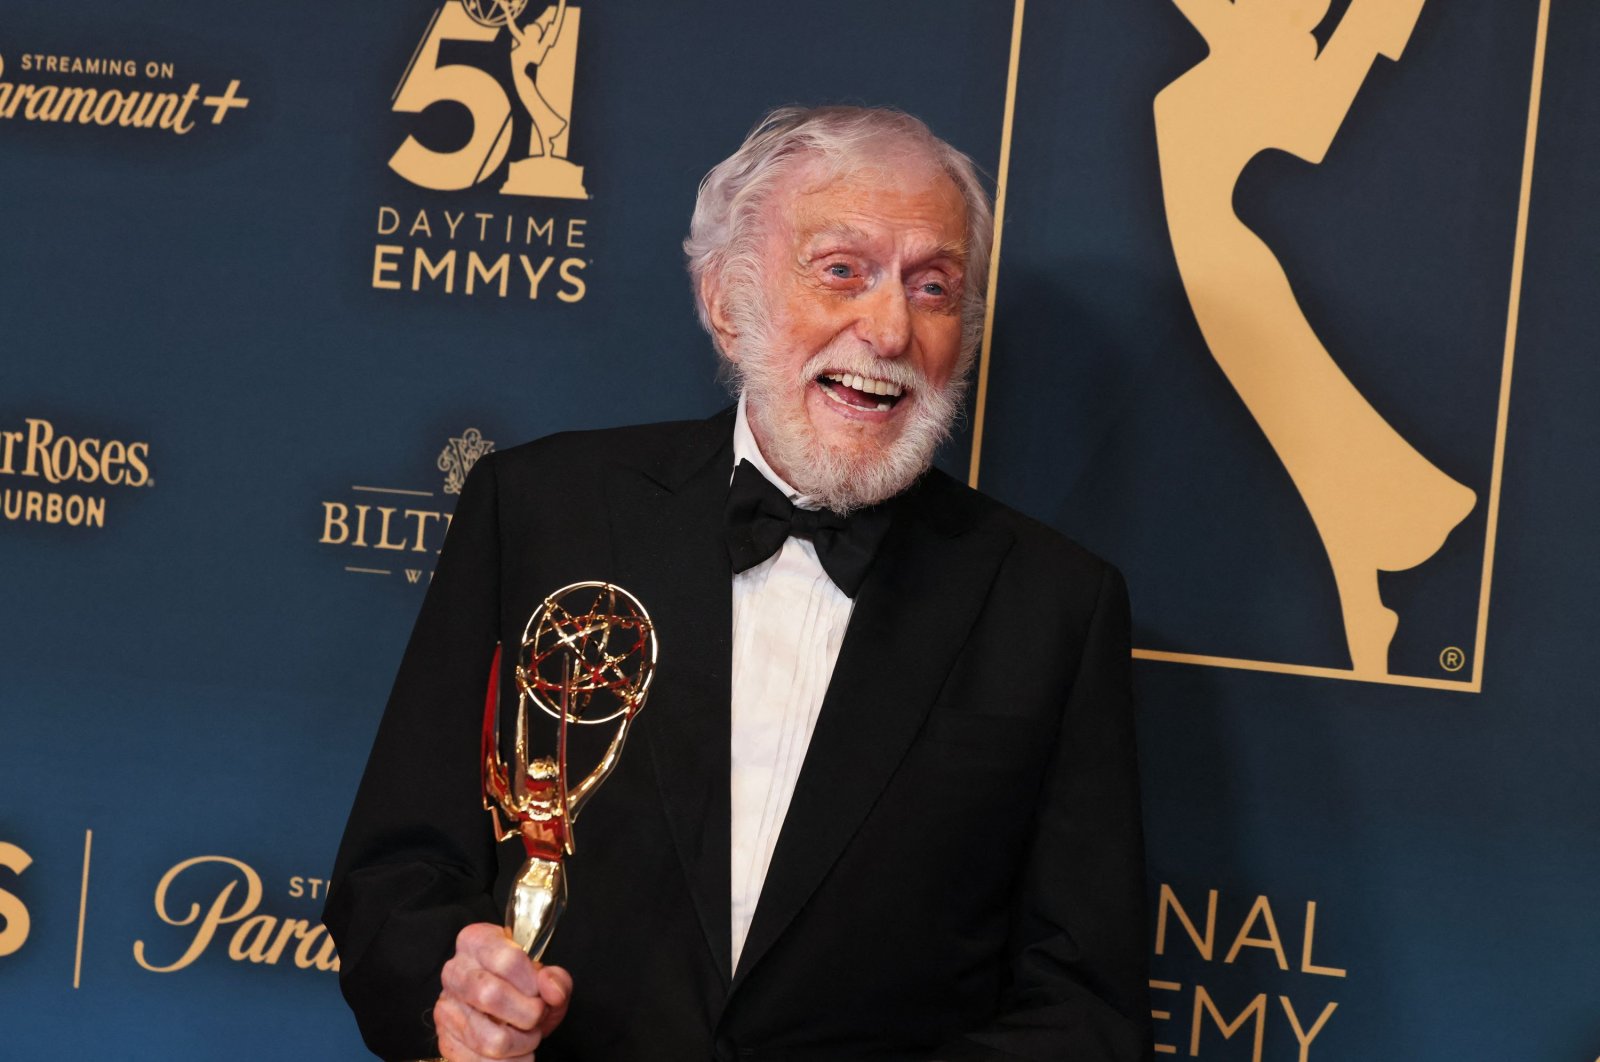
[(960, 874)]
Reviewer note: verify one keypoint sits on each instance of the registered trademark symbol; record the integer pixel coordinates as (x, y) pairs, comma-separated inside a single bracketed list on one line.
[(1452, 659)]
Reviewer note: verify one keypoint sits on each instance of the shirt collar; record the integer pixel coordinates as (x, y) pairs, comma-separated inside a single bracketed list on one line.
[(745, 448)]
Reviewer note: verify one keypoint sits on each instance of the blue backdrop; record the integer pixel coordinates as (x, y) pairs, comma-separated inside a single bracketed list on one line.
[(235, 344)]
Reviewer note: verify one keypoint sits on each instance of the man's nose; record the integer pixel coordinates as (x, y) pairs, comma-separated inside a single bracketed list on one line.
[(885, 323)]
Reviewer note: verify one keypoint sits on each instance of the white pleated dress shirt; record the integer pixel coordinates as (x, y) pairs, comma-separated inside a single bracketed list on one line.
[(788, 623)]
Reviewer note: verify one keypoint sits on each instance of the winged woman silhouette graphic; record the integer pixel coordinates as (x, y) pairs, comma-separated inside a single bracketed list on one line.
[(1377, 503)]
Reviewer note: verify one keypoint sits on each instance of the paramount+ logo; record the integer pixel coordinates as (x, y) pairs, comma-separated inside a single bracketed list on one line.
[(168, 107), (38, 457), (233, 912), (219, 907)]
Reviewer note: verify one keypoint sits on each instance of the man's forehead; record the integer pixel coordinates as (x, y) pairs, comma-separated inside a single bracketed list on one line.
[(863, 205)]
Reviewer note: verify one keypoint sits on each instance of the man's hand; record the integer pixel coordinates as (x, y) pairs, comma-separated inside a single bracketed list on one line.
[(496, 1003)]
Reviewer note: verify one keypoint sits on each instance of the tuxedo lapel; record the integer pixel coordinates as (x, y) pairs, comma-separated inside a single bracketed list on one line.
[(913, 614), (666, 525)]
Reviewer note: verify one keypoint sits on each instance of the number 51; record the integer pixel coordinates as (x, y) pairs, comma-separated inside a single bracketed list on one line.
[(427, 83)]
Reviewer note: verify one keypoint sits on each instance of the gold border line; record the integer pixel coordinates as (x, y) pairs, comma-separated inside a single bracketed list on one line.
[(83, 909), (1513, 314), (504, 131), (994, 253), (396, 490), (416, 52), (1455, 685)]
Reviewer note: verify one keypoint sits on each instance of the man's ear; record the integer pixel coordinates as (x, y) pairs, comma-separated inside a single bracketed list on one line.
[(722, 329)]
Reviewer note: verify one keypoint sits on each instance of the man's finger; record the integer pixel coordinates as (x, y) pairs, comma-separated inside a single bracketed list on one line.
[(555, 991), (483, 991), (481, 1035), (453, 1050), (497, 954), (509, 962), (555, 985), (448, 1024), (492, 1039)]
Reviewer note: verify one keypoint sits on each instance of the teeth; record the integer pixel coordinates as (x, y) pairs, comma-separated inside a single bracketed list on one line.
[(881, 407), (866, 385), (835, 397)]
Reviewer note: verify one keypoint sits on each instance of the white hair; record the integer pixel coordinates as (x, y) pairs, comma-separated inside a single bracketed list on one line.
[(725, 233)]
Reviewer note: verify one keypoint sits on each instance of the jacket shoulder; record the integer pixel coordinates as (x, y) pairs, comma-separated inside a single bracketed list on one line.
[(571, 459), (1036, 547), (597, 444)]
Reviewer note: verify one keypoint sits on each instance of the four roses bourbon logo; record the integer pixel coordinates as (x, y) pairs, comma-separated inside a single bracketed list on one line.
[(542, 54)]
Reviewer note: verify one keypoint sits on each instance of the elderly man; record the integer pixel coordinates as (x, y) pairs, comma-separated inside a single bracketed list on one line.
[(884, 801)]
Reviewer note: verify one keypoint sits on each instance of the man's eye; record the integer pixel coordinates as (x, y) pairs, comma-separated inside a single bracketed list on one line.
[(933, 288), (841, 270)]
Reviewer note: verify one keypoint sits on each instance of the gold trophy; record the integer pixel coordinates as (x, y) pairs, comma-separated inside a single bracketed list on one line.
[(588, 654)]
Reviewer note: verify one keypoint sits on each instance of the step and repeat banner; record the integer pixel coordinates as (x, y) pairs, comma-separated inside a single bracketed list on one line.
[(1294, 321)]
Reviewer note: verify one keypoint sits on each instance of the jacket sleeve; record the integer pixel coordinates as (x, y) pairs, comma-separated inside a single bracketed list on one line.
[(417, 860), (1079, 989)]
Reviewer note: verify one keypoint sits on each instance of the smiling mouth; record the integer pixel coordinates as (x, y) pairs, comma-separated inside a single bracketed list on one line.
[(860, 392)]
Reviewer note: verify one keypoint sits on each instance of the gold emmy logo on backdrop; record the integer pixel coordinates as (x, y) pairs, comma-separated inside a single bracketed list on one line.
[(543, 56), (1378, 504)]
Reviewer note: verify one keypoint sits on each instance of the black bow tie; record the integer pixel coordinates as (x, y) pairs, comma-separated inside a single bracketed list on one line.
[(760, 519)]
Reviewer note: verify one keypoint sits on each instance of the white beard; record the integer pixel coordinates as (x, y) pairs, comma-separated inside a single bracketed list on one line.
[(841, 477)]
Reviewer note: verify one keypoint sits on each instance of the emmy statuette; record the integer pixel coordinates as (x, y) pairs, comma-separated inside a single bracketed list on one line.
[(587, 656)]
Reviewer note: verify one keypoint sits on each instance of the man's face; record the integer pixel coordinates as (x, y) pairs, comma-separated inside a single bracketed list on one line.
[(849, 382)]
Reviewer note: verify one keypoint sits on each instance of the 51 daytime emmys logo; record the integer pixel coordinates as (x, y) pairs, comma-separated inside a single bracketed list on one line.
[(542, 56), (489, 91)]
